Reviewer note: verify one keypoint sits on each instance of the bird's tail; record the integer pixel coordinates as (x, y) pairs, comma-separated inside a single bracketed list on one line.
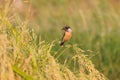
[(61, 43)]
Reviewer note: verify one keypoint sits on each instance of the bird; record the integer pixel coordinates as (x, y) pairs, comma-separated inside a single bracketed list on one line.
[(67, 35)]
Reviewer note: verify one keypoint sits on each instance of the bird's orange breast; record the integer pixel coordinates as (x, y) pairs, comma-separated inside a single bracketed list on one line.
[(67, 36)]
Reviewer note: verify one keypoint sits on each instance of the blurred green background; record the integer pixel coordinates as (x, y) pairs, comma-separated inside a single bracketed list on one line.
[(95, 24)]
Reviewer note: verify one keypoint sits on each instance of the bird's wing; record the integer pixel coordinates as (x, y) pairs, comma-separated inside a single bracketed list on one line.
[(63, 37)]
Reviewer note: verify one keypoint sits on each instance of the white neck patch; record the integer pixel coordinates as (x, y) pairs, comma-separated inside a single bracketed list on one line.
[(69, 30)]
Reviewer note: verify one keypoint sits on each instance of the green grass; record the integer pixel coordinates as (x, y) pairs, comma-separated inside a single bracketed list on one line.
[(25, 57), (30, 39)]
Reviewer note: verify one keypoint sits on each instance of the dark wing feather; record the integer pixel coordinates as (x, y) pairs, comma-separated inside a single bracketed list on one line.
[(62, 42), (63, 37)]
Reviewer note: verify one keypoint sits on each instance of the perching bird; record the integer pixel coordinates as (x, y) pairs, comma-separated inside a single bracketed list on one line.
[(67, 34)]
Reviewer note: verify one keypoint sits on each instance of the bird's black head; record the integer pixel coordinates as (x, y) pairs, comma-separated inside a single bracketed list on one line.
[(66, 28)]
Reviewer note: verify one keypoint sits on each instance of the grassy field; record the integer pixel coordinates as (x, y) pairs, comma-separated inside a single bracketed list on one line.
[(30, 33)]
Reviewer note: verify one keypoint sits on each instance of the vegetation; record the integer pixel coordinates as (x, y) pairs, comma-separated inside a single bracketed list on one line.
[(31, 30), (25, 56)]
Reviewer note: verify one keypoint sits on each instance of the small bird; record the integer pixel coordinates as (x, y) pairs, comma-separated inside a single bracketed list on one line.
[(67, 34)]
